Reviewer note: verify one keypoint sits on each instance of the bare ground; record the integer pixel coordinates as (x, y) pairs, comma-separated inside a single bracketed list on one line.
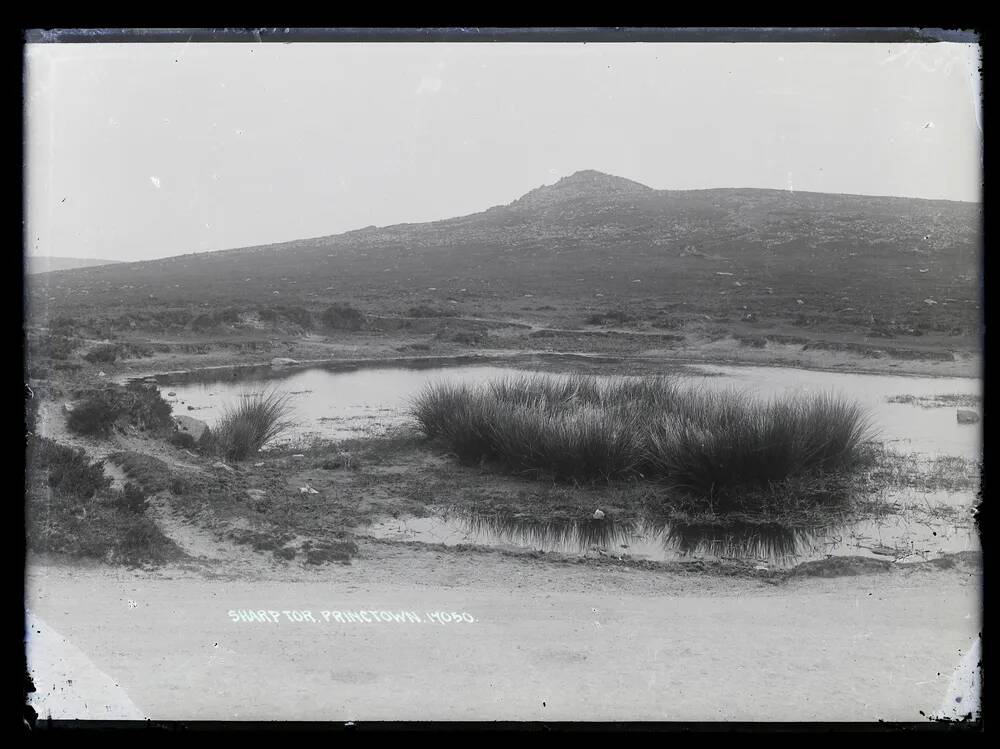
[(548, 642)]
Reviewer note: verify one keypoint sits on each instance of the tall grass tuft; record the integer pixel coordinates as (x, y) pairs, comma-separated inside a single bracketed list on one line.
[(709, 443), (253, 421)]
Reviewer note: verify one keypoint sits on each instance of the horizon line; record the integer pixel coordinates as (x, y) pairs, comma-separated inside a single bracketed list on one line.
[(505, 205)]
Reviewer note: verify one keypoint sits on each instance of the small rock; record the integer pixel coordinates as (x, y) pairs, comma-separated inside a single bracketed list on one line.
[(258, 465), (171, 394), (307, 490), (598, 515), (967, 417), (799, 301), (255, 493), (929, 302), (190, 408), (102, 374), (223, 466), (298, 455), (282, 361)]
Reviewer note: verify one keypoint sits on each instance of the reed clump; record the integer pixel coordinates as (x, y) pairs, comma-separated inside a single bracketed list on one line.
[(651, 428), (248, 424)]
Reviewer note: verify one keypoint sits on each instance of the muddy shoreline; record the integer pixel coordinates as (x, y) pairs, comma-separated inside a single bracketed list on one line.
[(609, 363)]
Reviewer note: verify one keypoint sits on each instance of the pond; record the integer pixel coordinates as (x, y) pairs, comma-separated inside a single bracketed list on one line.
[(912, 415), (367, 401)]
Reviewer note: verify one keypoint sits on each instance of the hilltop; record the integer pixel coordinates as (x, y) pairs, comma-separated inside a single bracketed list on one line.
[(593, 240)]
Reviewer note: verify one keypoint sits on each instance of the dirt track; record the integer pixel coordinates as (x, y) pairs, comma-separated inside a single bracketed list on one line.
[(548, 641)]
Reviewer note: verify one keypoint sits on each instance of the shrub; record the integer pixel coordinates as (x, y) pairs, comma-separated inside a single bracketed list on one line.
[(342, 317), (134, 350), (229, 316), (62, 324), (70, 508), (424, 310), (705, 443), (202, 322), (102, 354), (610, 317), (130, 498), (53, 347), (244, 428), (178, 486), (65, 469), (96, 415), (301, 317), (146, 408), (150, 473), (182, 440), (100, 411), (172, 318)]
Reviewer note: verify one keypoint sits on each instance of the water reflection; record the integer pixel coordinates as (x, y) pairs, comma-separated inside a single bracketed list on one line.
[(648, 537), (769, 541), (909, 536), (577, 535)]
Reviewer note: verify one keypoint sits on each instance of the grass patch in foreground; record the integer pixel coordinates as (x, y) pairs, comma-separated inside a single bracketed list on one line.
[(71, 509), (715, 444)]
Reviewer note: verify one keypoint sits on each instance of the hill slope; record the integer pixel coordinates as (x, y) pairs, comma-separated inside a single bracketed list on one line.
[(593, 239), (46, 263)]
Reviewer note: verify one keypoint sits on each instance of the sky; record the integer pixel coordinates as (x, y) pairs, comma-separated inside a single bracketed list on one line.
[(140, 151)]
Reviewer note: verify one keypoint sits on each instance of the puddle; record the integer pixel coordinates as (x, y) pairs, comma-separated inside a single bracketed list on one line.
[(775, 546), (368, 401)]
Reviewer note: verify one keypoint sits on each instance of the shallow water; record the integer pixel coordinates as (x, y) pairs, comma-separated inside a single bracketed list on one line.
[(906, 427), (368, 401), (339, 404)]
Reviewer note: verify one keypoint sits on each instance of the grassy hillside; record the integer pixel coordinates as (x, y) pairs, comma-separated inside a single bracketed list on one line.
[(592, 241), (46, 264)]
